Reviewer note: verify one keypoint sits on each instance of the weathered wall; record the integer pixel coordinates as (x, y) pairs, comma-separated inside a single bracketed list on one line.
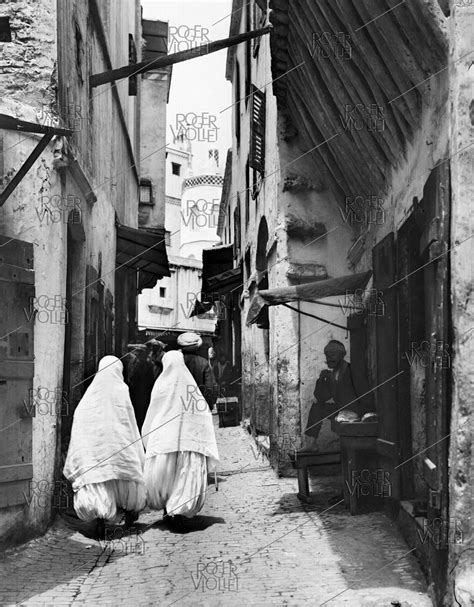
[(460, 587), (104, 152), (26, 83)]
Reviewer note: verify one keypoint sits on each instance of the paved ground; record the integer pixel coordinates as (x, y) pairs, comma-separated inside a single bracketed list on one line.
[(254, 544)]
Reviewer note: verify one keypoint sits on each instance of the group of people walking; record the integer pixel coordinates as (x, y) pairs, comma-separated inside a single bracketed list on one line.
[(112, 466)]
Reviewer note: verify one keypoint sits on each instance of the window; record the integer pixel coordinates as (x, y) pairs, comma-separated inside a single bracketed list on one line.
[(176, 168), (162, 292), (237, 103), (247, 265), (167, 238), (146, 192), (215, 155), (79, 53), (5, 31), (259, 18), (256, 183), (132, 59), (237, 228), (257, 130), (247, 194), (248, 54)]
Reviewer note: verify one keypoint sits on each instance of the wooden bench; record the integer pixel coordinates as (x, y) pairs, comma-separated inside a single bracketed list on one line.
[(304, 459)]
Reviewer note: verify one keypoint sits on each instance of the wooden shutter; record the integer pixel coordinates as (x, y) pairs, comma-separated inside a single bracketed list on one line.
[(434, 244), (257, 135), (16, 370), (387, 361), (132, 59)]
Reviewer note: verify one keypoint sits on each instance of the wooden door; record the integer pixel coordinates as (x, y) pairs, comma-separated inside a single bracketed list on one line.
[(387, 364), (411, 314), (17, 291), (434, 246)]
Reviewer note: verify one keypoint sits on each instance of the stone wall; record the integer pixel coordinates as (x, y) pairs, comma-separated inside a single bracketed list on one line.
[(460, 587)]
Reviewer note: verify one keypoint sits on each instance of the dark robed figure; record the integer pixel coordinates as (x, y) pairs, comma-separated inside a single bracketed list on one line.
[(337, 388)]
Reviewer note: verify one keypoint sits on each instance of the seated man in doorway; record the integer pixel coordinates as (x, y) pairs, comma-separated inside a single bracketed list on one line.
[(335, 391)]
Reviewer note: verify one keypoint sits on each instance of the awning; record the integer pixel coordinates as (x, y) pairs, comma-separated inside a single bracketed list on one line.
[(218, 277), (226, 281), (215, 261), (145, 251), (311, 291)]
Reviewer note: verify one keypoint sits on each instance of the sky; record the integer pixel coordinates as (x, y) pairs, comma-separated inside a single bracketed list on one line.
[(198, 86)]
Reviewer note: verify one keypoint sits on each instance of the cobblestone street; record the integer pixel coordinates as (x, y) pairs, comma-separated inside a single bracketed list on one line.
[(253, 544)]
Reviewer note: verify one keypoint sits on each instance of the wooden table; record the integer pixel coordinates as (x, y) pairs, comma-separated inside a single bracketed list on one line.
[(358, 457)]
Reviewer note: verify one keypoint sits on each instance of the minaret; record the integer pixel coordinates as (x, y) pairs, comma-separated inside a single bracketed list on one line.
[(200, 202)]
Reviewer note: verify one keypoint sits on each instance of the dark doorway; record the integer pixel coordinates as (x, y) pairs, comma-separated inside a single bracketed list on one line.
[(73, 371)]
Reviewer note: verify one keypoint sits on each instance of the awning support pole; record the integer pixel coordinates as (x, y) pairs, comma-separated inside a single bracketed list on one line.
[(24, 168), (325, 303), (316, 317)]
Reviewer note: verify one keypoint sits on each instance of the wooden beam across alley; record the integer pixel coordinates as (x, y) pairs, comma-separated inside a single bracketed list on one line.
[(200, 51)]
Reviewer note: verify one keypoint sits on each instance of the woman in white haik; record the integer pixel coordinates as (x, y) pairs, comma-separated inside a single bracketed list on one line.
[(105, 457), (180, 442)]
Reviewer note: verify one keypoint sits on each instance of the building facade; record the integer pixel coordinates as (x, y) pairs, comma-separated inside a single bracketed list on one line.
[(69, 233), (192, 211), (346, 208)]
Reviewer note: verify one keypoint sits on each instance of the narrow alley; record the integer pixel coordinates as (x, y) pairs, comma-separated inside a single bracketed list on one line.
[(245, 548), (236, 303)]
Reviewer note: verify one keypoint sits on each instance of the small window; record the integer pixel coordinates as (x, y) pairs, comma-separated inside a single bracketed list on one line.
[(247, 194), (237, 103), (162, 292), (167, 238), (248, 54), (176, 168), (146, 192), (257, 131), (79, 53), (247, 265), (132, 59), (5, 31)]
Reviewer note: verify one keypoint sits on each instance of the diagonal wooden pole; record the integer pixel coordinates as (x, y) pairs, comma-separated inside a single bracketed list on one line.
[(200, 51), (24, 168)]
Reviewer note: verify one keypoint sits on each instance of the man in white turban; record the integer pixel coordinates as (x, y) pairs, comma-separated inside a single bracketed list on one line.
[(336, 389), (189, 344)]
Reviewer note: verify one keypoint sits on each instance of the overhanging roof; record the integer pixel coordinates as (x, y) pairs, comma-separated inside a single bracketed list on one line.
[(144, 251), (225, 281), (311, 291), (218, 277), (215, 261)]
